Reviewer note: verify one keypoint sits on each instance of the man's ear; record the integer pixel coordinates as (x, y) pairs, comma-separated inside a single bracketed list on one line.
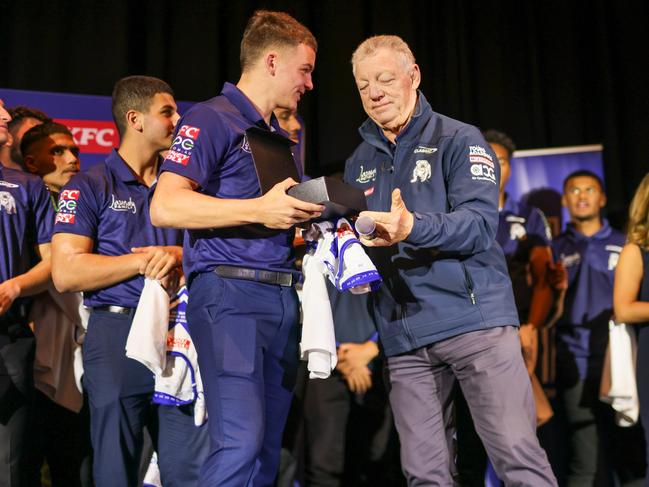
[(134, 120), (415, 76), (30, 164), (270, 62)]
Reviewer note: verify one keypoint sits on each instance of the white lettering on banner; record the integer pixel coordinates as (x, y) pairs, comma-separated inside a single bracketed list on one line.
[(123, 205), (85, 135)]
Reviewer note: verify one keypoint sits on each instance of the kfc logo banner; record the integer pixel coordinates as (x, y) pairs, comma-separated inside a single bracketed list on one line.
[(89, 118)]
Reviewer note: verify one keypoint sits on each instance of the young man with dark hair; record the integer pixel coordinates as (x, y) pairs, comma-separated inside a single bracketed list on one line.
[(49, 151), (22, 119), (104, 245), (589, 249), (26, 217), (61, 422), (243, 310)]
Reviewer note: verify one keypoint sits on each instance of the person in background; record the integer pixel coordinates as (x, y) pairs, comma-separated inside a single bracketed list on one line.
[(26, 218), (22, 119), (61, 416), (524, 235), (589, 249), (631, 295)]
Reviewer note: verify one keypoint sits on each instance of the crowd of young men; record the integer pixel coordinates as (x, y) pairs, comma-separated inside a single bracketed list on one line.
[(445, 314)]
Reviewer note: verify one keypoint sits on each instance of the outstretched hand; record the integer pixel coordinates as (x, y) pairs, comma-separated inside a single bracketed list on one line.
[(281, 211), (391, 227)]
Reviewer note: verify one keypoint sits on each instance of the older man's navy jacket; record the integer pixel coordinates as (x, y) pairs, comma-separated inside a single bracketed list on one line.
[(449, 276)]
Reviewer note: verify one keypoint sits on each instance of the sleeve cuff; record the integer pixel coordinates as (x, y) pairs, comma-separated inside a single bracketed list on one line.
[(418, 228)]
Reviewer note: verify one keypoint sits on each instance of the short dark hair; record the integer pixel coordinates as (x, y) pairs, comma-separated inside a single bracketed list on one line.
[(501, 138), (135, 93), (267, 28), (19, 113), (40, 132), (583, 173)]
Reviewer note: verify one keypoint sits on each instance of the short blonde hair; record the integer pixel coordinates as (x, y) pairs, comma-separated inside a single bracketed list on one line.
[(394, 43), (638, 226)]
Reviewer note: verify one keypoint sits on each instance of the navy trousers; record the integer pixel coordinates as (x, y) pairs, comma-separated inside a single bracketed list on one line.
[(119, 392), (246, 335)]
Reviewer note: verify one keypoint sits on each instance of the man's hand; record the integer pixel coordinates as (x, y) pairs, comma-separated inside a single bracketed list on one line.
[(391, 227), (359, 381), (281, 211), (9, 291), (157, 261), (355, 356)]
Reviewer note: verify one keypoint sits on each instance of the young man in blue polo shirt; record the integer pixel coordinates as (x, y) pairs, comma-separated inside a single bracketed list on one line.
[(26, 218), (589, 250), (104, 245), (243, 310)]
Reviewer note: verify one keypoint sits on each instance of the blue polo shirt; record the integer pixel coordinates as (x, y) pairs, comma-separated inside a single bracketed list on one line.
[(521, 227), (210, 148), (108, 204), (590, 261), (26, 219)]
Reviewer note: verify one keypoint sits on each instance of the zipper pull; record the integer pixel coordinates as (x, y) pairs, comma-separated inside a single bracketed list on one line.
[(472, 296)]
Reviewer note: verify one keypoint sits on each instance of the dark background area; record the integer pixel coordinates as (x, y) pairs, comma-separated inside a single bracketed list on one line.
[(550, 73)]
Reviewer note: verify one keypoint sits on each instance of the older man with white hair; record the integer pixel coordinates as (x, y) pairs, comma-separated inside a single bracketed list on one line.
[(446, 312)]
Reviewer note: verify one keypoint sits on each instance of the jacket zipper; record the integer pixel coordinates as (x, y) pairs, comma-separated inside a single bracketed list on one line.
[(469, 284)]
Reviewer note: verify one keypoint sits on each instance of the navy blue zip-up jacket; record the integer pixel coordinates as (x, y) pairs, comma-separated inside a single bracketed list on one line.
[(449, 276)]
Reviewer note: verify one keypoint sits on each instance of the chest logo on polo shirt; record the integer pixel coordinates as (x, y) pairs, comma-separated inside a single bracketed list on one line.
[(517, 232), (7, 203), (571, 259), (421, 172), (482, 165), (366, 175), (245, 146), (123, 205)]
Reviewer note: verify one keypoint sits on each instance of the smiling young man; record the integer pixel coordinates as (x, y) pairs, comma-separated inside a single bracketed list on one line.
[(104, 245), (446, 312), (243, 309)]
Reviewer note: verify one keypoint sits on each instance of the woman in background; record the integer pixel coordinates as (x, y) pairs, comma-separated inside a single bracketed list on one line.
[(631, 291)]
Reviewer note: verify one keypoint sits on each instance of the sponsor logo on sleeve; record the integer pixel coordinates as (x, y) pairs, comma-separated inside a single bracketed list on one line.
[(183, 144), (68, 201), (369, 191), (482, 165), (613, 256)]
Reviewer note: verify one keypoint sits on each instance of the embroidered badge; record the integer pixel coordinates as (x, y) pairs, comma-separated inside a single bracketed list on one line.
[(7, 203), (421, 172)]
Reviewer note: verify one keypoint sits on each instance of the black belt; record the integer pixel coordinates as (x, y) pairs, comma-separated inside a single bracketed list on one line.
[(268, 277), (114, 309)]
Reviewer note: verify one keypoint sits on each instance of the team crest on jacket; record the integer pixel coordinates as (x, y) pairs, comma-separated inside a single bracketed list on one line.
[(7, 203), (366, 175), (421, 172)]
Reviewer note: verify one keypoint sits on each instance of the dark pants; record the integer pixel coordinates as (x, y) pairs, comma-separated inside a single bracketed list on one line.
[(119, 392), (246, 335), (17, 349), (349, 438), (62, 439), (489, 368), (642, 377)]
